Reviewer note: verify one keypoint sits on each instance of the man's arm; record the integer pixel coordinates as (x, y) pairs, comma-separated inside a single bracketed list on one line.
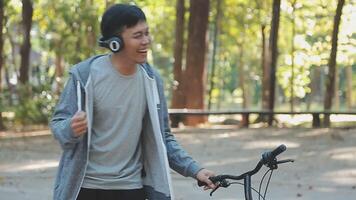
[(178, 158), (61, 121)]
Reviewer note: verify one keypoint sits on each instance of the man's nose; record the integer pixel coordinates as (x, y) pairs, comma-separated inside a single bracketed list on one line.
[(146, 40)]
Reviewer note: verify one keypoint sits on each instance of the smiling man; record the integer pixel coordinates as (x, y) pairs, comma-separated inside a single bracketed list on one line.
[(112, 121)]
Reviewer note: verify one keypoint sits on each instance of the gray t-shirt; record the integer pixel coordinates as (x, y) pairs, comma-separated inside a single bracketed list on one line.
[(115, 151)]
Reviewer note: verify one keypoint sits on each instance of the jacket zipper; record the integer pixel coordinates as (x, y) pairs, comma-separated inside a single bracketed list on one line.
[(79, 94)]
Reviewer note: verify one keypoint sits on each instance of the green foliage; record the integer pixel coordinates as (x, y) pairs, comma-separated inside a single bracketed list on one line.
[(161, 19), (28, 107), (34, 107), (69, 30)]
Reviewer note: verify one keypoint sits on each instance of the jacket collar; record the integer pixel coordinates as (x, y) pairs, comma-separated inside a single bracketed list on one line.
[(82, 70)]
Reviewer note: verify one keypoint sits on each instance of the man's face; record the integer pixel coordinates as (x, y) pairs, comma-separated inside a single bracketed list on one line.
[(136, 42)]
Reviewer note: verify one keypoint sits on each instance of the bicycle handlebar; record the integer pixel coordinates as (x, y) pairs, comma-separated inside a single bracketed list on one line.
[(268, 158)]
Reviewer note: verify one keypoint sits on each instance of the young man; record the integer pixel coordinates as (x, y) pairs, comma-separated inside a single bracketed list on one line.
[(112, 121)]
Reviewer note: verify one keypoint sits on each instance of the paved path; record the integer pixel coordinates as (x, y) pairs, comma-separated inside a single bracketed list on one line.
[(325, 166)]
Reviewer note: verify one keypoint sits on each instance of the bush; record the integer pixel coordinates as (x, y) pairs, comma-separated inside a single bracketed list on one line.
[(35, 105)]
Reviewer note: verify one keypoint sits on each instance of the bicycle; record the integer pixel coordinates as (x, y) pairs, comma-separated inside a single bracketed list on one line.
[(268, 159)]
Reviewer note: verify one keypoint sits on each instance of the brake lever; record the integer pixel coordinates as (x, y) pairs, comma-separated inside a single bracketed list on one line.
[(223, 183), (217, 187), (285, 161), (274, 164)]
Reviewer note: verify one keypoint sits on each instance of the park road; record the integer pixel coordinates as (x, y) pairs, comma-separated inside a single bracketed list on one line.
[(325, 166)]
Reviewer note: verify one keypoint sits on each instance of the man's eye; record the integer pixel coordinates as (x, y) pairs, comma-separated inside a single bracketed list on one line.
[(137, 36)]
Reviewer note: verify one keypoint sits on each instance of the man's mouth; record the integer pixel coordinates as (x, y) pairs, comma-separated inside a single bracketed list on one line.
[(142, 51)]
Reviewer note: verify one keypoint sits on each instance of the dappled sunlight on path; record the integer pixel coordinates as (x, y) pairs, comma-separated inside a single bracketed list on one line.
[(325, 166)]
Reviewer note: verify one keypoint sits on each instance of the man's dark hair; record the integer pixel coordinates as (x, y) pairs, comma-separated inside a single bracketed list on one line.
[(118, 17)]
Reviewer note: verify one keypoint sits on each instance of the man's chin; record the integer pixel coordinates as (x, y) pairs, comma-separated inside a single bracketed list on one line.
[(141, 61)]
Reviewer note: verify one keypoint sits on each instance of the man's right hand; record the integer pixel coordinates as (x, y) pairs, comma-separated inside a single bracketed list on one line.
[(79, 124)]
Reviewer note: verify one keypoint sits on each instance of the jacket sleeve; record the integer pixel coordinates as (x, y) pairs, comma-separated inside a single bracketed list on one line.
[(178, 158), (61, 119)]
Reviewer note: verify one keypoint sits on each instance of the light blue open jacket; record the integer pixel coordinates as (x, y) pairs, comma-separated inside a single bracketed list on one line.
[(160, 150)]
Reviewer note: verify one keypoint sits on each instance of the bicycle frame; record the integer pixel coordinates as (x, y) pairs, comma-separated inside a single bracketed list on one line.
[(247, 187)]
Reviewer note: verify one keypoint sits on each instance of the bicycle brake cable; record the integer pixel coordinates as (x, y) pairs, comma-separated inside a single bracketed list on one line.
[(263, 177), (259, 194), (269, 179)]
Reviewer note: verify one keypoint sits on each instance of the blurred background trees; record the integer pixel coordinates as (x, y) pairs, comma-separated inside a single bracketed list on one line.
[(285, 55)]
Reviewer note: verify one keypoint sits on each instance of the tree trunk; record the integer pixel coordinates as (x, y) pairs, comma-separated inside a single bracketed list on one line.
[(90, 28), (91, 37), (215, 46), (242, 75), (196, 58), (265, 69), (330, 82), (265, 65), (292, 55), (349, 87), (13, 47), (11, 87), (314, 87), (274, 55), (2, 5), (27, 11), (59, 72), (222, 86), (261, 5), (178, 100), (336, 90)]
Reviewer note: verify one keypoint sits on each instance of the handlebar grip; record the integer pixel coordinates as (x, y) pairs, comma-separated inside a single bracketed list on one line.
[(213, 179), (201, 183), (278, 150), (269, 156)]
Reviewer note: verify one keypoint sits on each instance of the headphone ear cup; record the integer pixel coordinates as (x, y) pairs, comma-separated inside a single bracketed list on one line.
[(115, 44)]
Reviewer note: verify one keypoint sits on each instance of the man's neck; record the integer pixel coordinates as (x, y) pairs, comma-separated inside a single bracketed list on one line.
[(122, 64)]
